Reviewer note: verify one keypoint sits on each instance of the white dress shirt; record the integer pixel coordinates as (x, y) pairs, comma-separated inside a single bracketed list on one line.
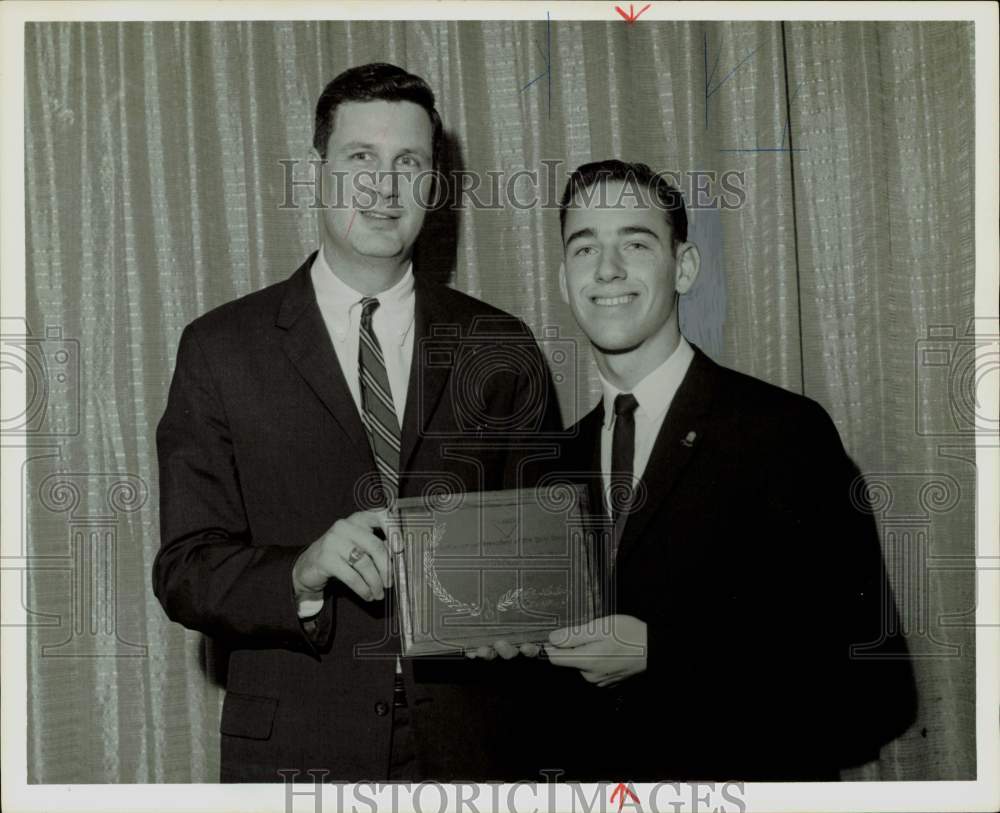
[(340, 306), (654, 393)]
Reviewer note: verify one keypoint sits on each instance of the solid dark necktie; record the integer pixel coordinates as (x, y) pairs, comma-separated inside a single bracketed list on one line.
[(377, 410), (622, 455)]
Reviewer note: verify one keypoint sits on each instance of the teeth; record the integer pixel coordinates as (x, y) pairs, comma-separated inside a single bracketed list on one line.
[(377, 216), (608, 301)]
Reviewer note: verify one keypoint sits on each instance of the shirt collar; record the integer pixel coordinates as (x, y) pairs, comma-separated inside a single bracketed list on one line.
[(655, 392), (342, 303)]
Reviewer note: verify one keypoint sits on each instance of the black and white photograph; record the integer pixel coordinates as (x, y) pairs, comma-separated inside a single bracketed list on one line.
[(500, 406)]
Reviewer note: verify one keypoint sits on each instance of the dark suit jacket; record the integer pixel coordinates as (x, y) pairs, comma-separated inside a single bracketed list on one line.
[(755, 567), (261, 449)]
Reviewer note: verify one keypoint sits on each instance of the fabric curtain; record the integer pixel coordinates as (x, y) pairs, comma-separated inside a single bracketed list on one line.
[(155, 183)]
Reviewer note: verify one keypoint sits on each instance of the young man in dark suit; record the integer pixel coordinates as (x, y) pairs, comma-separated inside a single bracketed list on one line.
[(295, 415), (750, 630)]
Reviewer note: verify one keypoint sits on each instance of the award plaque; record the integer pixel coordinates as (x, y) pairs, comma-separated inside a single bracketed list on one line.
[(474, 568)]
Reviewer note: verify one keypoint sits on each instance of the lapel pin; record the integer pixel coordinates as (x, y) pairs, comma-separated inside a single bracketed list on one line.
[(689, 439)]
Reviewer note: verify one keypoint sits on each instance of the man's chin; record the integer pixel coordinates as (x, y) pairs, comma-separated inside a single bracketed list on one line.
[(380, 249), (611, 347)]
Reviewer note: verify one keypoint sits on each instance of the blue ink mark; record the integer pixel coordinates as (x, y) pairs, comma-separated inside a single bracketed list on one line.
[(785, 129), (715, 66), (706, 78), (728, 75), (766, 149), (702, 310), (711, 91), (547, 56), (784, 132)]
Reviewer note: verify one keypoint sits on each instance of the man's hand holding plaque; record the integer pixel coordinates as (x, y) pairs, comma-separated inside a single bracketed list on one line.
[(606, 651), (505, 650), (349, 552)]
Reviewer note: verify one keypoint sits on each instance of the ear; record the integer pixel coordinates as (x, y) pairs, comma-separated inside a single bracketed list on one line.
[(687, 267), (563, 290)]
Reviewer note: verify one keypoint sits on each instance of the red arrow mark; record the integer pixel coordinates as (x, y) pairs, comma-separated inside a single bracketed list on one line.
[(631, 17), (621, 789)]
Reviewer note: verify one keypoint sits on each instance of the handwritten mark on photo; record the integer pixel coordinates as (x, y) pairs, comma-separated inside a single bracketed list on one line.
[(632, 16)]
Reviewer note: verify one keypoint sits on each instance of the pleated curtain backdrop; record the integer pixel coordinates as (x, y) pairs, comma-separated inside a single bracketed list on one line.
[(154, 187)]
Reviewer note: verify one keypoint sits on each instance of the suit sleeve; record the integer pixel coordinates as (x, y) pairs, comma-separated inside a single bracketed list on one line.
[(209, 574), (818, 659), (873, 694), (533, 447), (856, 680)]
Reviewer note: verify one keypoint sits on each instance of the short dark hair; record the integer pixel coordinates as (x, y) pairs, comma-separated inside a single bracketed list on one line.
[(373, 82), (669, 197)]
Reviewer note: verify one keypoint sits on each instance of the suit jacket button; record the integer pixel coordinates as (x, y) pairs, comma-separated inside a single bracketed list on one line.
[(381, 708)]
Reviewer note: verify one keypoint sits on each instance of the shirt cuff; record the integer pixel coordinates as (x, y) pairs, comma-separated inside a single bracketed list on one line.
[(308, 607)]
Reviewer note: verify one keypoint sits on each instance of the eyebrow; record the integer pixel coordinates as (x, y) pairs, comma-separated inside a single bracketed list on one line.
[(580, 233), (624, 231), (363, 145)]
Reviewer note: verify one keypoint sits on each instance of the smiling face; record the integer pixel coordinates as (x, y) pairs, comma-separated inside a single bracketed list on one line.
[(381, 148), (621, 274)]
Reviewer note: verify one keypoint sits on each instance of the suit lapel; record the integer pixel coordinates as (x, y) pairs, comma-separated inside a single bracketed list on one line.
[(590, 439), (307, 344), (436, 341), (589, 463), (682, 434)]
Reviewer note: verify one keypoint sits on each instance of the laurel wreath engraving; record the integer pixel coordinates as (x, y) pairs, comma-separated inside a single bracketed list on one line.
[(513, 598)]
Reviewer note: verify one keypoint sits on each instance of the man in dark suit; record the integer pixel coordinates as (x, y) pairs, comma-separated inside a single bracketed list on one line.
[(750, 630), (296, 414)]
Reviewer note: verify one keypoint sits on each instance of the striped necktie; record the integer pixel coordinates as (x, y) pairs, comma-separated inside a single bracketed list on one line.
[(377, 411)]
